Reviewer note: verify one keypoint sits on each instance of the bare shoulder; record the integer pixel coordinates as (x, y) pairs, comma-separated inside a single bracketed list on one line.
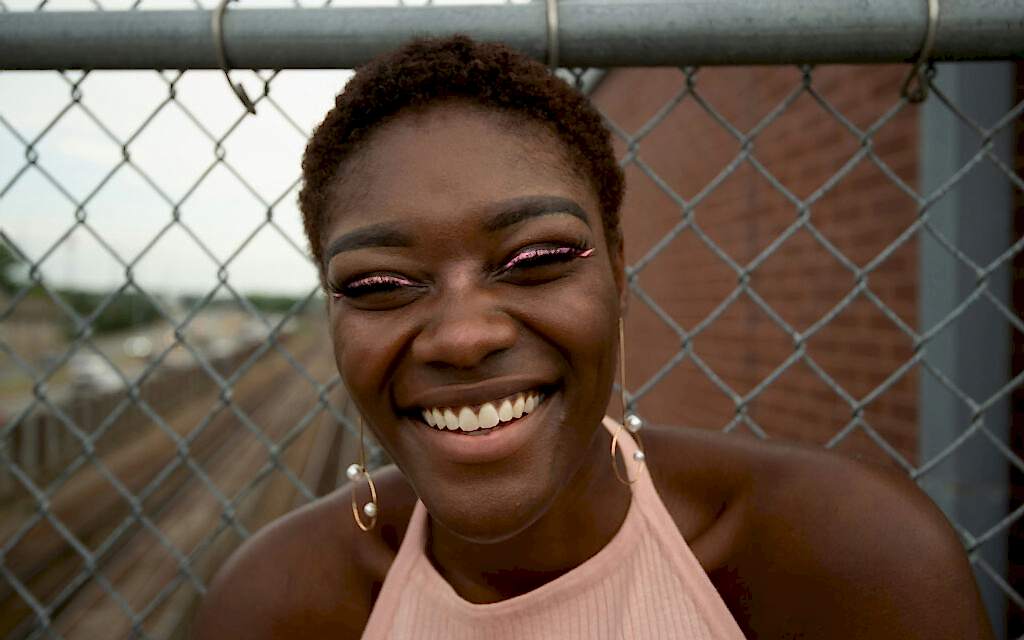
[(310, 574), (813, 544)]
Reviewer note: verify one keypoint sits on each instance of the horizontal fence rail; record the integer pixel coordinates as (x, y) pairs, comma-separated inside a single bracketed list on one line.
[(592, 33)]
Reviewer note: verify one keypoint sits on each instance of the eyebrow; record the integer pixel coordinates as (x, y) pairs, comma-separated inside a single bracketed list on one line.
[(512, 212), (504, 214), (376, 235)]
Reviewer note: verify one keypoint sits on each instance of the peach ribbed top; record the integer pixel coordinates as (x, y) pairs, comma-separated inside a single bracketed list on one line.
[(645, 583)]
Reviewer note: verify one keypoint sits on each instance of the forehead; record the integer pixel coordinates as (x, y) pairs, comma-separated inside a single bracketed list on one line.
[(449, 159)]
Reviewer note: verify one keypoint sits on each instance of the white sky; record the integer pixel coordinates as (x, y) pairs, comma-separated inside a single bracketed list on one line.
[(127, 212)]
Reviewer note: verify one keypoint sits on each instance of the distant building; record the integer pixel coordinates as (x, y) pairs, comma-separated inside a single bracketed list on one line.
[(33, 330)]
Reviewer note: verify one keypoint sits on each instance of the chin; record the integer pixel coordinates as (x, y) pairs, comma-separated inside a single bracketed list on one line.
[(493, 514), (525, 467)]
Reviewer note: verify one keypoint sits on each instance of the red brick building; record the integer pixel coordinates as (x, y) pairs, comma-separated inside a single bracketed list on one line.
[(803, 148)]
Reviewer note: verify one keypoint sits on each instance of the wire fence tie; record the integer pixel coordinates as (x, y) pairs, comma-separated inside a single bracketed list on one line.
[(915, 86), (217, 26), (552, 23)]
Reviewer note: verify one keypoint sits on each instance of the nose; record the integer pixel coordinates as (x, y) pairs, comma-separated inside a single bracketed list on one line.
[(464, 331)]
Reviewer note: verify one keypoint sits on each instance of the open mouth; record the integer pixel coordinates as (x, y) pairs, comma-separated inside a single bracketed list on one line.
[(481, 419)]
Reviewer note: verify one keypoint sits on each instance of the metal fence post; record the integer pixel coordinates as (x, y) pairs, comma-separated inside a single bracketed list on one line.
[(971, 485)]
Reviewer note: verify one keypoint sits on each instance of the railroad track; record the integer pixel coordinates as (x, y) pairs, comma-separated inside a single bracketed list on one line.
[(135, 562)]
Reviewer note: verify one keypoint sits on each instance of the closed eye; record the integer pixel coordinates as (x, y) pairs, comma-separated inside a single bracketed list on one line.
[(544, 255), (367, 285)]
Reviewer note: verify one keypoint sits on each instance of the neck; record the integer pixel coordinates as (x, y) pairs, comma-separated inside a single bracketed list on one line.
[(585, 515)]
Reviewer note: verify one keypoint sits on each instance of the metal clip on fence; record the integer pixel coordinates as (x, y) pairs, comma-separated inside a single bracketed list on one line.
[(915, 86), (552, 34), (222, 57)]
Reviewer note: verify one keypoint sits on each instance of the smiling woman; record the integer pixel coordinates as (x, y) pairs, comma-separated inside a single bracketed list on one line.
[(462, 204)]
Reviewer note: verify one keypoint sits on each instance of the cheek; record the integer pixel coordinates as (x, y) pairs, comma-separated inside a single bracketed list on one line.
[(596, 335), (583, 324), (592, 336), (362, 352)]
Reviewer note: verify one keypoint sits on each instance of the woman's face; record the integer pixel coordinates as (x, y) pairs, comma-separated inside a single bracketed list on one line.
[(468, 267)]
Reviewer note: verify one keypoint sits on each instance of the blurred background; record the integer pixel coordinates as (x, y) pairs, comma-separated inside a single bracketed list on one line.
[(813, 257)]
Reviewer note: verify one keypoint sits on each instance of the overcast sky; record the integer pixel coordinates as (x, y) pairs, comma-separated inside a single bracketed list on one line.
[(173, 152)]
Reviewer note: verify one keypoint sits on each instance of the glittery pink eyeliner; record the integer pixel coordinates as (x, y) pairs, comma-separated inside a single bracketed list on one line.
[(371, 281), (526, 256)]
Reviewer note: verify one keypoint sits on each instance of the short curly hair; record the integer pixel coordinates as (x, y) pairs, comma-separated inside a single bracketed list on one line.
[(427, 71)]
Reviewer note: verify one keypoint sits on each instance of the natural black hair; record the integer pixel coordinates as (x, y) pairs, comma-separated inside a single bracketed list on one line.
[(429, 71)]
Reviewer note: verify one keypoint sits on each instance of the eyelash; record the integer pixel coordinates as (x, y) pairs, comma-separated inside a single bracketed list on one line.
[(377, 283), (524, 259), (545, 255)]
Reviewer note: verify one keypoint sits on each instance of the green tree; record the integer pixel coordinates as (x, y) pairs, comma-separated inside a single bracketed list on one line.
[(8, 261)]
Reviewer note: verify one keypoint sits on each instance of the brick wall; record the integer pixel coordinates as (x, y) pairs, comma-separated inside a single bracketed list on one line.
[(861, 215)]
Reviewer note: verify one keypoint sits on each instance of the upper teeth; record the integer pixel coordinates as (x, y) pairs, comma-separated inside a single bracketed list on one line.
[(485, 416)]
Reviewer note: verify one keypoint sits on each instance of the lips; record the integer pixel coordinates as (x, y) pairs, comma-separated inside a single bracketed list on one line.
[(413, 401), (483, 446), (484, 416), (490, 419)]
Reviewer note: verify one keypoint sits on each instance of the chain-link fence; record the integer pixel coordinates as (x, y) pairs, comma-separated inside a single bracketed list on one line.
[(812, 255)]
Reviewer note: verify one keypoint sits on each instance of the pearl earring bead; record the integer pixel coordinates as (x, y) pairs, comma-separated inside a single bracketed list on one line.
[(633, 422), (639, 456), (354, 472), (370, 509)]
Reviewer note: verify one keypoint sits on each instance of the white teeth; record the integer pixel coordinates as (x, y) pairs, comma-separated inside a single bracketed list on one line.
[(488, 416), (518, 407), (505, 411), (451, 421), (468, 420)]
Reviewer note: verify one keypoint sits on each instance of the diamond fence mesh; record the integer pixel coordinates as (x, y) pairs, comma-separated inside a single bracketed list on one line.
[(165, 386)]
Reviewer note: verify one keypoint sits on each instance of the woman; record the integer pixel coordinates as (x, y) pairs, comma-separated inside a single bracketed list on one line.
[(463, 206)]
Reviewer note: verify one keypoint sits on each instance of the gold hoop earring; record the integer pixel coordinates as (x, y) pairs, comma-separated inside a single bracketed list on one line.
[(630, 420), (356, 471)]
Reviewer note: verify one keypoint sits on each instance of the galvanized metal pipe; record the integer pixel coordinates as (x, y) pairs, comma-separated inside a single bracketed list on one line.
[(592, 33)]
